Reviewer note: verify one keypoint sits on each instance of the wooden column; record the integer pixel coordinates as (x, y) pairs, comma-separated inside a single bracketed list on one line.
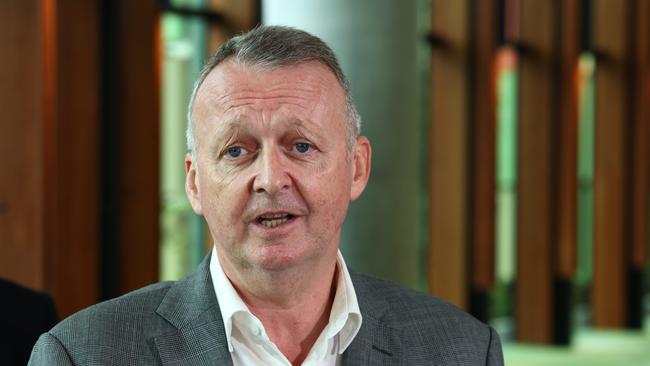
[(565, 159), (622, 161), (131, 142), (641, 161), (448, 276), (547, 169), (534, 289), (49, 213), (483, 147), (612, 182), (21, 152)]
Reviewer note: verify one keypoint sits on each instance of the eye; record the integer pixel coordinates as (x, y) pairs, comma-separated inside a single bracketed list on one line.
[(236, 151), (302, 147)]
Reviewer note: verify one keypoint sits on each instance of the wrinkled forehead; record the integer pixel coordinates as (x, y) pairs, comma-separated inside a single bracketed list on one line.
[(308, 88), (235, 93), (232, 79)]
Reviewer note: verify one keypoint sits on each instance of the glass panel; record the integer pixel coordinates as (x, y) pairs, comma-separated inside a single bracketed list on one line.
[(586, 90), (506, 191), (183, 45)]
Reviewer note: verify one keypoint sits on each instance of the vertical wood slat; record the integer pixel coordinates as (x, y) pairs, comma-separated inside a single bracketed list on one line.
[(548, 116), (641, 201), (448, 180), (139, 140), (566, 160), (610, 180), (49, 228), (21, 101), (534, 316), (71, 216), (484, 144)]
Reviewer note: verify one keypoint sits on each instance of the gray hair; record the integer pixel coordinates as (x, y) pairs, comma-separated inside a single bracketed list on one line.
[(277, 46)]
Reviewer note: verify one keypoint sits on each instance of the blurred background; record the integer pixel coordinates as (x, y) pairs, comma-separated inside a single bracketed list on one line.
[(511, 154)]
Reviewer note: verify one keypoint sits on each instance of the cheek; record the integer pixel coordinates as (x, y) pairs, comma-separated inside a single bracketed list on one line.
[(330, 193), (223, 197)]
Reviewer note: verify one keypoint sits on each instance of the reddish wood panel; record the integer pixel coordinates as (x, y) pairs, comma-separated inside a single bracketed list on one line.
[(21, 101), (611, 180), (71, 184), (548, 120), (138, 98), (484, 140), (534, 316), (50, 194), (448, 155), (641, 172), (565, 215)]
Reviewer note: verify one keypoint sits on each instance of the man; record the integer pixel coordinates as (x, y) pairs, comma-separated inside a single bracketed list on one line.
[(274, 159)]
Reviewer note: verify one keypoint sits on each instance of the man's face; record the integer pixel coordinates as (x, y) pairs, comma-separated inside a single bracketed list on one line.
[(272, 173)]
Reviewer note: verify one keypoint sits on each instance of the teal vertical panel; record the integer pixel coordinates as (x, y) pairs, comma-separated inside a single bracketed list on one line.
[(507, 83), (181, 246), (586, 140), (376, 42), (506, 175)]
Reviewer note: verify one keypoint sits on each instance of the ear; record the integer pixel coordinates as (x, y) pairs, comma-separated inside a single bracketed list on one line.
[(192, 186), (361, 167)]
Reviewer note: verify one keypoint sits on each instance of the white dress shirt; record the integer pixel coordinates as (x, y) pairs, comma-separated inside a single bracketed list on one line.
[(248, 341)]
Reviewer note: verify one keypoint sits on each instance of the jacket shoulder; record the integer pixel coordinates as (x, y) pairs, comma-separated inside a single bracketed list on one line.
[(407, 305), (424, 321), (125, 322)]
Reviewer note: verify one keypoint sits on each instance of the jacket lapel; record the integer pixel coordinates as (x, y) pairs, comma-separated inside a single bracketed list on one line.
[(377, 343), (191, 307)]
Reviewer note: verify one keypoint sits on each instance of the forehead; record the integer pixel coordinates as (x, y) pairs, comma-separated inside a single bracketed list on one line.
[(232, 85)]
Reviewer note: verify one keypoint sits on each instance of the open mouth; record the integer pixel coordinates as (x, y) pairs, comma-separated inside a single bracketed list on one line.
[(273, 220)]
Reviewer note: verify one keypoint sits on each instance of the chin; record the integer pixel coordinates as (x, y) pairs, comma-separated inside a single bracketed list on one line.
[(279, 257)]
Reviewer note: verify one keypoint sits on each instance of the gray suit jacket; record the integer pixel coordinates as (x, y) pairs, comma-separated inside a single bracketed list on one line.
[(179, 323)]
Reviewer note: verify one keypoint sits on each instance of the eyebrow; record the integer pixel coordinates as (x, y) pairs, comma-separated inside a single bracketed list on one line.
[(300, 126), (228, 128), (235, 126)]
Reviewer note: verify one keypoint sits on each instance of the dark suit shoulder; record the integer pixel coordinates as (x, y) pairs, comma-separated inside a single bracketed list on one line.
[(427, 326), (408, 305), (138, 302), (127, 321)]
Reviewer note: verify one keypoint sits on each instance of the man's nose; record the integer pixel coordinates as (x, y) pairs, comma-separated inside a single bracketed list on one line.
[(271, 176)]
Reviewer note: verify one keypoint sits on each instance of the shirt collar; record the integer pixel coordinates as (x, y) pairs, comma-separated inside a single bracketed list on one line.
[(345, 316)]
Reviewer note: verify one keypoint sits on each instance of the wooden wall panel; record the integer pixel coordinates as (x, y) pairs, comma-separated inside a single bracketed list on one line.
[(546, 234), (137, 99), (21, 129), (71, 185), (49, 141), (448, 276), (566, 129), (534, 318), (641, 201), (611, 180), (483, 140)]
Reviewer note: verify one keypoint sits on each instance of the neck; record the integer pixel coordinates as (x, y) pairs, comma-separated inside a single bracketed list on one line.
[(293, 304)]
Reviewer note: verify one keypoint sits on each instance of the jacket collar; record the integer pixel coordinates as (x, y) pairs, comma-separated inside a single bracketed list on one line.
[(191, 307), (377, 343)]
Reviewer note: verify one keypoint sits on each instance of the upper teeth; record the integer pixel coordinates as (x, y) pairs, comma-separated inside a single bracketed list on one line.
[(274, 216), (273, 220)]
